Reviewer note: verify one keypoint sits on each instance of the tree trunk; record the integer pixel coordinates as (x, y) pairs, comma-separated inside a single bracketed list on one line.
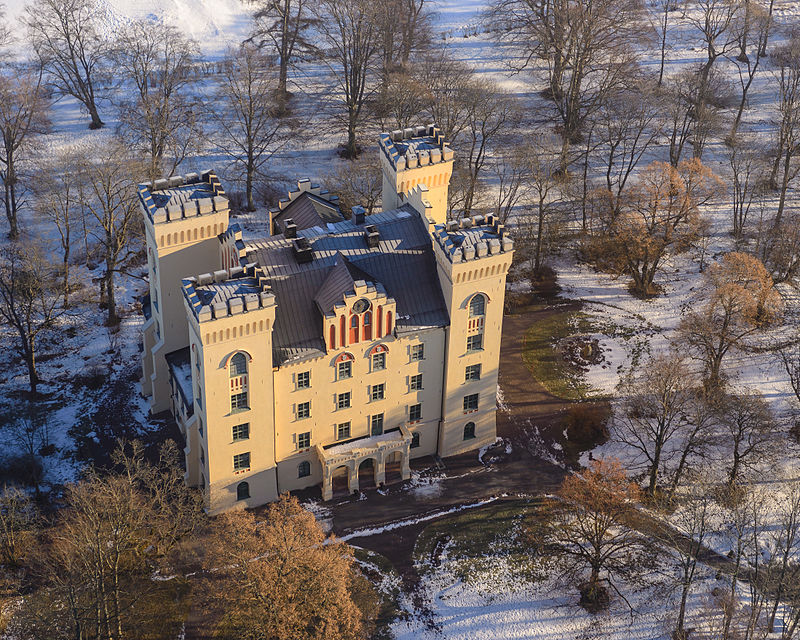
[(111, 303), (30, 362), (96, 122)]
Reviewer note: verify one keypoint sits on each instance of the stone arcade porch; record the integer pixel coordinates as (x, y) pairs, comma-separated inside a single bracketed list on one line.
[(365, 461)]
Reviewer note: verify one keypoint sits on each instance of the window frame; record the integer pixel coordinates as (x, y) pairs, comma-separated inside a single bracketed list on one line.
[(471, 348), (344, 400), (469, 434), (303, 407), (348, 365), (417, 352), (473, 300), (469, 405), (239, 459), (376, 358), (235, 397), (415, 382), (233, 364), (340, 429), (303, 380), (377, 392), (239, 494), (415, 408), (472, 372), (305, 437), (304, 466), (240, 438), (376, 418)]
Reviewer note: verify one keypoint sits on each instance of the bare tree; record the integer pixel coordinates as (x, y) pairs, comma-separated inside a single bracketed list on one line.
[(23, 115), (6, 37), (715, 21), (402, 101), (544, 169), (655, 411), (109, 200), (511, 172), (284, 25), (161, 120), (245, 114), (74, 55), (587, 529), (745, 163), (18, 523), (751, 430), (57, 198), (357, 183), (783, 571), (756, 20), (449, 85), (585, 47), (659, 12), (490, 114), (741, 301), (405, 28), (349, 33)]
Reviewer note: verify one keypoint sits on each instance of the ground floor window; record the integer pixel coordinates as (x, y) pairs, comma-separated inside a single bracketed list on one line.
[(414, 440), (304, 469), (469, 431), (343, 431), (376, 424), (243, 491)]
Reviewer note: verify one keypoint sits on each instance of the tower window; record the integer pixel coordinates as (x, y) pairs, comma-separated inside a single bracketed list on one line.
[(473, 372), (475, 342), (477, 306), (238, 365), (241, 432), (471, 403), (241, 461), (417, 352)]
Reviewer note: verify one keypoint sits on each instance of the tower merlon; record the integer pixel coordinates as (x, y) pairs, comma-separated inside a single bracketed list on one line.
[(227, 292), (181, 197), (472, 239)]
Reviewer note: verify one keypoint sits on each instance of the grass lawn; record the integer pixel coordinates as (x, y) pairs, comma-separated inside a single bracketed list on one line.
[(545, 362), (474, 539)]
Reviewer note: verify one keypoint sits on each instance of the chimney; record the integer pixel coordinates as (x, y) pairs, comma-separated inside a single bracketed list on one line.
[(303, 252), (359, 214), (289, 228), (372, 236)]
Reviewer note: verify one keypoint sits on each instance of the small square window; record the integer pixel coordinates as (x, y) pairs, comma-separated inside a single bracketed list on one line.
[(378, 391), (417, 352), (304, 440), (239, 402), (378, 361), (304, 380), (241, 461), (343, 400), (475, 342), (343, 431), (415, 382), (241, 431), (471, 403), (345, 369), (473, 372), (303, 410), (376, 424), (415, 413)]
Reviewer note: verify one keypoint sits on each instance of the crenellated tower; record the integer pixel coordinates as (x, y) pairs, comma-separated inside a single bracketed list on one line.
[(416, 156), (183, 216), (472, 257)]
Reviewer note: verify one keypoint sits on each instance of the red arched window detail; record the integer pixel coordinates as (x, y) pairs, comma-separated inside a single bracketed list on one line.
[(353, 329), (333, 336), (342, 330), (388, 322), (378, 320), (344, 357), (368, 325)]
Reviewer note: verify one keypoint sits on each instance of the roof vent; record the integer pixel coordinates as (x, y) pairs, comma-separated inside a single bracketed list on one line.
[(372, 235), (289, 228), (359, 214), (302, 250)]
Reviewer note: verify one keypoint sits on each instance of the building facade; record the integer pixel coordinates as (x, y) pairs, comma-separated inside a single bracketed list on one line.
[(333, 351)]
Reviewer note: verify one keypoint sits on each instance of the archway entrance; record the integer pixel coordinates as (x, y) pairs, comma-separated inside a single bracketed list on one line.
[(366, 474), (394, 467), (340, 481)]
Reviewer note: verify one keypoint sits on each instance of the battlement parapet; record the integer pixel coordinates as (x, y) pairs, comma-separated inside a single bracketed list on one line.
[(228, 292), (472, 239), (182, 197), (415, 147)]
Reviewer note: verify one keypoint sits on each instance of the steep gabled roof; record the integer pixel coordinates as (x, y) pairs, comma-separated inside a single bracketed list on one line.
[(341, 280), (307, 211)]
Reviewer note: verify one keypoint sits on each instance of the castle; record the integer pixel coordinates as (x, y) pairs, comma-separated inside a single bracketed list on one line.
[(334, 349)]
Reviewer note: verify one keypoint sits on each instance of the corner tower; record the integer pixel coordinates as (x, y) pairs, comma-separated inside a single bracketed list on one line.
[(414, 156), (472, 259), (183, 216)]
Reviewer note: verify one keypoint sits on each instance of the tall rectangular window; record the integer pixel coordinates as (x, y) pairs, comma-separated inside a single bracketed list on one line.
[(238, 401), (376, 424), (241, 461), (345, 369), (415, 382), (417, 352), (303, 410), (343, 400), (378, 361), (343, 431), (473, 372), (304, 440), (241, 432), (471, 403), (378, 391), (304, 380), (415, 413), (475, 342)]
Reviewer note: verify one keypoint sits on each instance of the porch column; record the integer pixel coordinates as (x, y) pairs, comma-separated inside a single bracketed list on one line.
[(352, 484), (405, 470), (327, 483), (380, 469)]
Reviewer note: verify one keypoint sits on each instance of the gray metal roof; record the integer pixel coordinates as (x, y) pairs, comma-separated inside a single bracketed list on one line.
[(214, 292), (309, 210), (341, 280), (403, 263)]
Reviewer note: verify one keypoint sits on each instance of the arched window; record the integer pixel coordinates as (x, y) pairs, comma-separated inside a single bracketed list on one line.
[(333, 336), (238, 373), (378, 331), (388, 323), (342, 330), (477, 306), (469, 431), (368, 325), (353, 329), (243, 491), (304, 469), (238, 365)]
